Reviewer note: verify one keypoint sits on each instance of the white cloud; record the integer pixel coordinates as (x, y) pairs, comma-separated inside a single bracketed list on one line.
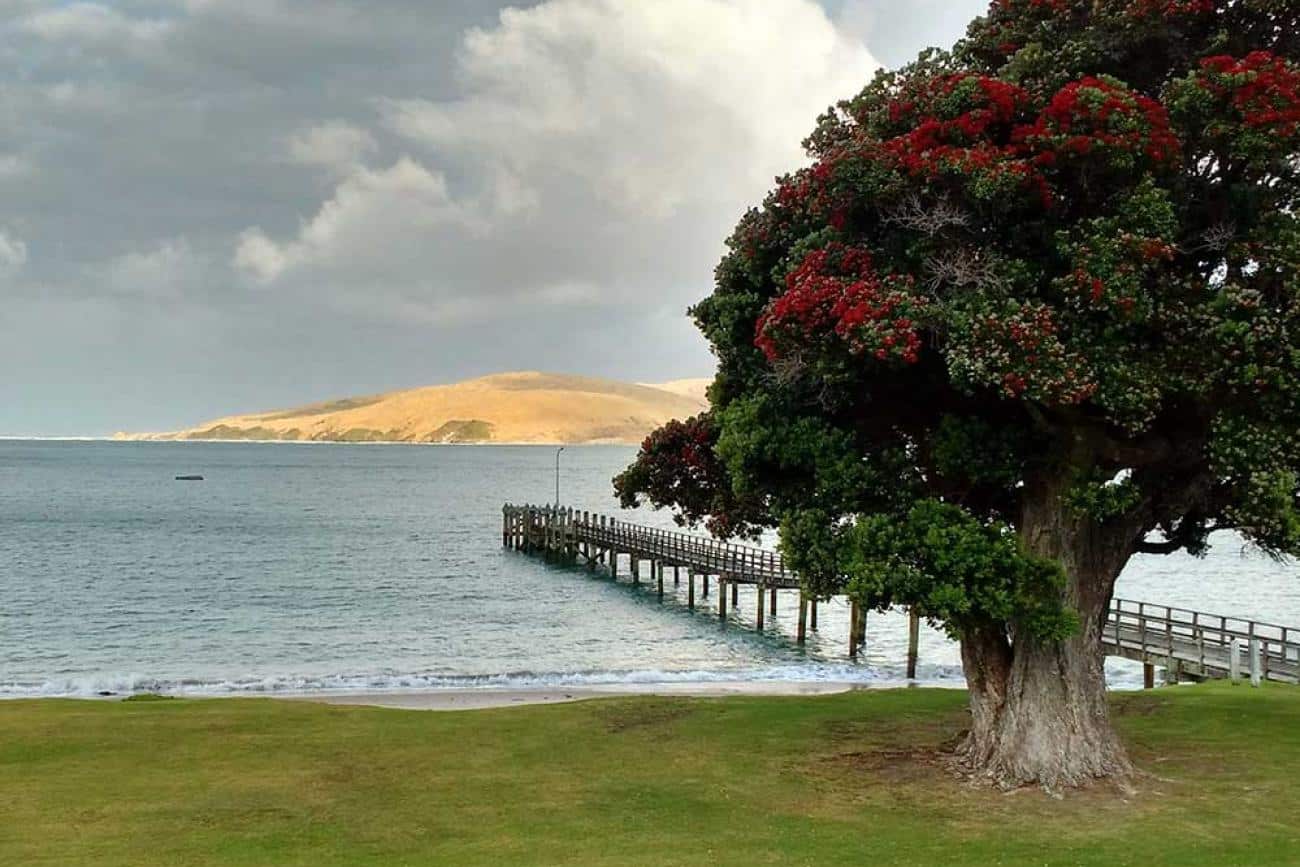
[(336, 145), (91, 22), (13, 252), (601, 149), (377, 221), (652, 104), (259, 256), (167, 270)]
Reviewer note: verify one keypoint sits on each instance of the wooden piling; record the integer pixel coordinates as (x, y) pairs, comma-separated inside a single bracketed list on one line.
[(704, 584), (812, 611), (658, 569), (1148, 676), (853, 630), (772, 608), (690, 588), (760, 608), (722, 597), (586, 545), (735, 596), (801, 632), (913, 639)]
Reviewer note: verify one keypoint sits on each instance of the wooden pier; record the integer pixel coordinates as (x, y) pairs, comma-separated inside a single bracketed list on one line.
[(1188, 645), (1192, 645)]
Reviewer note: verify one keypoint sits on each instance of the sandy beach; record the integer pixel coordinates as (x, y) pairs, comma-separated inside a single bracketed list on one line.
[(485, 697)]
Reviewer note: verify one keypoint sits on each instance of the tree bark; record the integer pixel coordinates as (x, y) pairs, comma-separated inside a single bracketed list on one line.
[(1038, 708)]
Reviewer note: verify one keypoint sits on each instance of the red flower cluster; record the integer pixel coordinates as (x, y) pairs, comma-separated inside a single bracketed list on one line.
[(1166, 9), (812, 191), (685, 444), (1263, 88), (1112, 272), (1094, 116), (956, 109), (976, 129), (1094, 289), (794, 189), (1021, 354), (963, 125), (836, 291)]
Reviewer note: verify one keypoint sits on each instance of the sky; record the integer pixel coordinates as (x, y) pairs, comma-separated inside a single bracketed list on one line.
[(219, 206)]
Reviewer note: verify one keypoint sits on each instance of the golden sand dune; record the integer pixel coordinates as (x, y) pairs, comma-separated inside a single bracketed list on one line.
[(528, 407), (693, 388)]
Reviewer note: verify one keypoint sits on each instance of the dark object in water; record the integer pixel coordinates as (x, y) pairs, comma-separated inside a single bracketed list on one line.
[(189, 478)]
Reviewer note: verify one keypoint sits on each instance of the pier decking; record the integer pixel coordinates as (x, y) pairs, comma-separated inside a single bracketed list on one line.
[(1186, 644)]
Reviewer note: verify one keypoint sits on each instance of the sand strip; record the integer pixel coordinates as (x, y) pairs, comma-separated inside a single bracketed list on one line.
[(486, 697)]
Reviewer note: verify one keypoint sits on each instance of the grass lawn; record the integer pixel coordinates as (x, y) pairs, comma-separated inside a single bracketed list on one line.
[(833, 780)]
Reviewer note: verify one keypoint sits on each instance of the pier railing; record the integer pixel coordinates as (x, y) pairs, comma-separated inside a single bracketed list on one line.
[(564, 528), (1187, 644), (1200, 645)]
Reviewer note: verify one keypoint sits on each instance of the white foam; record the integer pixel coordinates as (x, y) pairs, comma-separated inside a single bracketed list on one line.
[(127, 684), (1118, 676)]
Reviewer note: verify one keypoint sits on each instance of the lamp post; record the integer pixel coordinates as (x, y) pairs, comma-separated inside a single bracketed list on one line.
[(557, 476)]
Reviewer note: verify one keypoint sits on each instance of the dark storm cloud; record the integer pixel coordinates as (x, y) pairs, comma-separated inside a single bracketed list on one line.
[(218, 205)]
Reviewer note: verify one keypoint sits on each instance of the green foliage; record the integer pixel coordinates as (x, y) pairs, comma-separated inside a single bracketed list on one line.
[(1265, 509), (1099, 499), (956, 570), (976, 451)]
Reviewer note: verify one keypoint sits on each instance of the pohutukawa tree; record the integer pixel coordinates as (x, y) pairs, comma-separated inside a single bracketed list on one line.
[(1033, 308)]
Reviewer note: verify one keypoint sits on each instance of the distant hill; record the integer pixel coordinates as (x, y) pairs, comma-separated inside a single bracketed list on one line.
[(525, 407), (692, 388)]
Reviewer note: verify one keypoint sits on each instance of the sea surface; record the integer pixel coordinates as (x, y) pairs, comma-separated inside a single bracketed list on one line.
[(307, 567)]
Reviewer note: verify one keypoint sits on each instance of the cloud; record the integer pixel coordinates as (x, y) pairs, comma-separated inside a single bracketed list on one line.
[(375, 223), (643, 102), (13, 252), (91, 22), (336, 145), (168, 270), (898, 34), (602, 149)]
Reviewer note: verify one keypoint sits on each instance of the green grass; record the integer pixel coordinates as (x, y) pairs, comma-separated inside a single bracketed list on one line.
[(845, 779)]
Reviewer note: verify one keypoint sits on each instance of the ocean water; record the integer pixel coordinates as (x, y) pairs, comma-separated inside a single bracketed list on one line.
[(304, 567)]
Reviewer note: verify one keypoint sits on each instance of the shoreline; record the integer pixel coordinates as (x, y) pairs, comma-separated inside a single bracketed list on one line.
[(486, 698)]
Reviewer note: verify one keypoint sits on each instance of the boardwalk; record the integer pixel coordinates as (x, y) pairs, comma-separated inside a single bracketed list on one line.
[(1195, 645), (1186, 644)]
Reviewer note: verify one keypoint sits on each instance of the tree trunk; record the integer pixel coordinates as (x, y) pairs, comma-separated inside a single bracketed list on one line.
[(1038, 708)]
